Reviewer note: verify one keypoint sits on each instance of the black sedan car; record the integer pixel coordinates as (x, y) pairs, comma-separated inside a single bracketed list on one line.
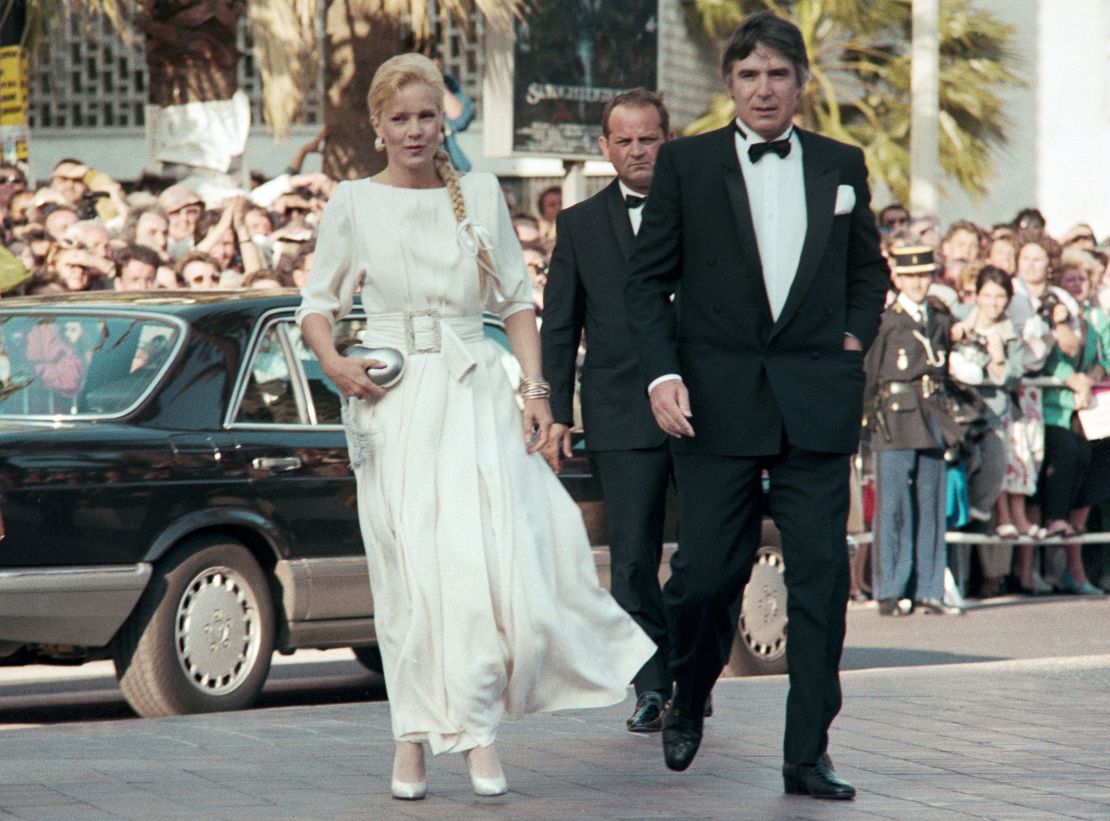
[(175, 495)]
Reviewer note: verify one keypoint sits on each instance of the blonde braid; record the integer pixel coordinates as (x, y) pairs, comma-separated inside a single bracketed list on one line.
[(450, 178)]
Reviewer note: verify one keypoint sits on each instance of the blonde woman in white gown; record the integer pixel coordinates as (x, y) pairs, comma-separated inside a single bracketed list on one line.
[(486, 598)]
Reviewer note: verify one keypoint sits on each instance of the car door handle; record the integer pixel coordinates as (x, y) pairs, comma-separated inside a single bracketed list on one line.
[(276, 464)]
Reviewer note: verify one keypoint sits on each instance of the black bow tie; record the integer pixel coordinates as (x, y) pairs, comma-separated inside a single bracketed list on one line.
[(632, 201), (757, 150)]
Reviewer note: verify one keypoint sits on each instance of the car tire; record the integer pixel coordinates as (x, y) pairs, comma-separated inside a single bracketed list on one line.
[(202, 636), (369, 657), (759, 647)]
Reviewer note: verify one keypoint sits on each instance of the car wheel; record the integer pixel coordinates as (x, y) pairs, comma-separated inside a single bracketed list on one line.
[(202, 636), (759, 647), (369, 657)]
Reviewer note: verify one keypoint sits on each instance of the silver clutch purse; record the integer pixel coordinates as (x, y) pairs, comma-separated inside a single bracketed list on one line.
[(386, 376)]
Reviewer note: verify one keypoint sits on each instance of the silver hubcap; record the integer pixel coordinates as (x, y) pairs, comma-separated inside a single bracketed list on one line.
[(763, 614), (217, 631)]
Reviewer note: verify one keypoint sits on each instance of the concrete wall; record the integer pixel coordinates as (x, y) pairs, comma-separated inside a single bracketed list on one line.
[(1058, 156)]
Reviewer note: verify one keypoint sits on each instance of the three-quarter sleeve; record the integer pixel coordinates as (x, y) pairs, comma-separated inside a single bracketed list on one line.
[(331, 284), (514, 291)]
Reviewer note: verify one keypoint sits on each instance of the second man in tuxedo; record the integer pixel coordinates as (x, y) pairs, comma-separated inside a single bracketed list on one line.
[(628, 451)]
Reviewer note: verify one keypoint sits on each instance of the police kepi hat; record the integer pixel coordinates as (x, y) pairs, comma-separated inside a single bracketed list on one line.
[(912, 259)]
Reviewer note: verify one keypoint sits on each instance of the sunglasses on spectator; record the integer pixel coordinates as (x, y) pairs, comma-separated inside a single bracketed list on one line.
[(1031, 223), (296, 209), (200, 279), (12, 180)]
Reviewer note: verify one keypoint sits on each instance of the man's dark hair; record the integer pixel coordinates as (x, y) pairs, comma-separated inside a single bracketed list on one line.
[(961, 225), (768, 29), (998, 277), (147, 256), (894, 206), (1029, 218), (637, 98), (551, 189)]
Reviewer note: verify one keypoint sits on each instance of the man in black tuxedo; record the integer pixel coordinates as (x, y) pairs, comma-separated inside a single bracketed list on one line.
[(628, 451), (764, 235)]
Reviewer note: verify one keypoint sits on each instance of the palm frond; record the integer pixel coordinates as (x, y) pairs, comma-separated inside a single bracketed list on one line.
[(859, 90), (285, 50)]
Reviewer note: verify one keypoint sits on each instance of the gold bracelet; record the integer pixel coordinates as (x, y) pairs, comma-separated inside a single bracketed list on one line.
[(534, 387)]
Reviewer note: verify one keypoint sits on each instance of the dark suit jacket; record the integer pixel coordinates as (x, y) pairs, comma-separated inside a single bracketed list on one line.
[(585, 289), (750, 377)]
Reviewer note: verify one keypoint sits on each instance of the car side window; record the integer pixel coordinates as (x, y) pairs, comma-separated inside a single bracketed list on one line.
[(325, 397), (268, 397)]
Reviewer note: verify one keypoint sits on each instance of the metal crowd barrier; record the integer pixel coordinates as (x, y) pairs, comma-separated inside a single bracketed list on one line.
[(959, 537)]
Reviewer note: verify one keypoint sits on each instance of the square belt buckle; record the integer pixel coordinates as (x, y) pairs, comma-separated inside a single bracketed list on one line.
[(410, 331)]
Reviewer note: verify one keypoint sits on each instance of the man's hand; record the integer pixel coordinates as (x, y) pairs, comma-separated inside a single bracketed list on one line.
[(557, 446), (852, 344), (670, 403)]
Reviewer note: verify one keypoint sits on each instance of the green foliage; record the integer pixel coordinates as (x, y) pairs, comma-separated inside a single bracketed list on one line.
[(859, 88)]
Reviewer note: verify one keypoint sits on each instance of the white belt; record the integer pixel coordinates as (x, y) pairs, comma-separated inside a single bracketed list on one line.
[(427, 332)]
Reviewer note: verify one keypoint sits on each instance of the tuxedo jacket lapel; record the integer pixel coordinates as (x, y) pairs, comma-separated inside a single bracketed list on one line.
[(742, 219), (821, 180), (618, 217)]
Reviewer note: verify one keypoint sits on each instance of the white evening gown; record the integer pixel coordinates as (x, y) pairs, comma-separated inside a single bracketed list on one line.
[(486, 597)]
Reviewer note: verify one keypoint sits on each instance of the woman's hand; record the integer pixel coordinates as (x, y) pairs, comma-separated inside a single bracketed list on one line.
[(349, 376), (537, 425), (1080, 385)]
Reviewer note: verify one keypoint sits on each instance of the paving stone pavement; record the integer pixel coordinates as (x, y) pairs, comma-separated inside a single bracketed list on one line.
[(1006, 740)]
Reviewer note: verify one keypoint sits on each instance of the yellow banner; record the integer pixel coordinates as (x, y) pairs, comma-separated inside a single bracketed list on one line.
[(13, 86)]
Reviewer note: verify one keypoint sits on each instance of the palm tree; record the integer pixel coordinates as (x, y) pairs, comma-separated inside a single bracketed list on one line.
[(358, 36), (859, 90)]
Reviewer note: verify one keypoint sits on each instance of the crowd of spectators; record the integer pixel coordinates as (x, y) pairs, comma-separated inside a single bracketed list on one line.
[(1028, 468), (82, 232), (1028, 360)]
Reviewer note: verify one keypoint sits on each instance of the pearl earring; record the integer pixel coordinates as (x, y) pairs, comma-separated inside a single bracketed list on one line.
[(379, 144)]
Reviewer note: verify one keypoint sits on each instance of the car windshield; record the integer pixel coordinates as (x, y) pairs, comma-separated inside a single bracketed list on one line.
[(55, 364)]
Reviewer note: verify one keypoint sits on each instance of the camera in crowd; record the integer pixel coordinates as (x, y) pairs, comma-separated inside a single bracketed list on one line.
[(1048, 305), (86, 206)]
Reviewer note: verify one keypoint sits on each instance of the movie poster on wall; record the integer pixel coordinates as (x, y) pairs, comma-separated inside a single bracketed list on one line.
[(570, 58)]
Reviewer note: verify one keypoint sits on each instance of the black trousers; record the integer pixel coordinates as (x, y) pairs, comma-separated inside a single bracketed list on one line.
[(719, 531), (634, 483), (1067, 459)]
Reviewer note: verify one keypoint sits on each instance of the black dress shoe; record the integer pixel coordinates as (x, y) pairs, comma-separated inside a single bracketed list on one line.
[(648, 715), (936, 607), (708, 712), (893, 607), (815, 780), (681, 737)]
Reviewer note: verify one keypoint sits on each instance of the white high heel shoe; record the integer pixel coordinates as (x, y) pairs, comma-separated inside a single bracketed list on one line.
[(407, 790), (486, 785)]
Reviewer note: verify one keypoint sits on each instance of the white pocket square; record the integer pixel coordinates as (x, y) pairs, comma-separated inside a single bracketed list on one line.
[(845, 200)]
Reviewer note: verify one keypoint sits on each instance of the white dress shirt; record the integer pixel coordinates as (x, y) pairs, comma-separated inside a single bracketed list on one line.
[(777, 196), (635, 215), (916, 310)]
